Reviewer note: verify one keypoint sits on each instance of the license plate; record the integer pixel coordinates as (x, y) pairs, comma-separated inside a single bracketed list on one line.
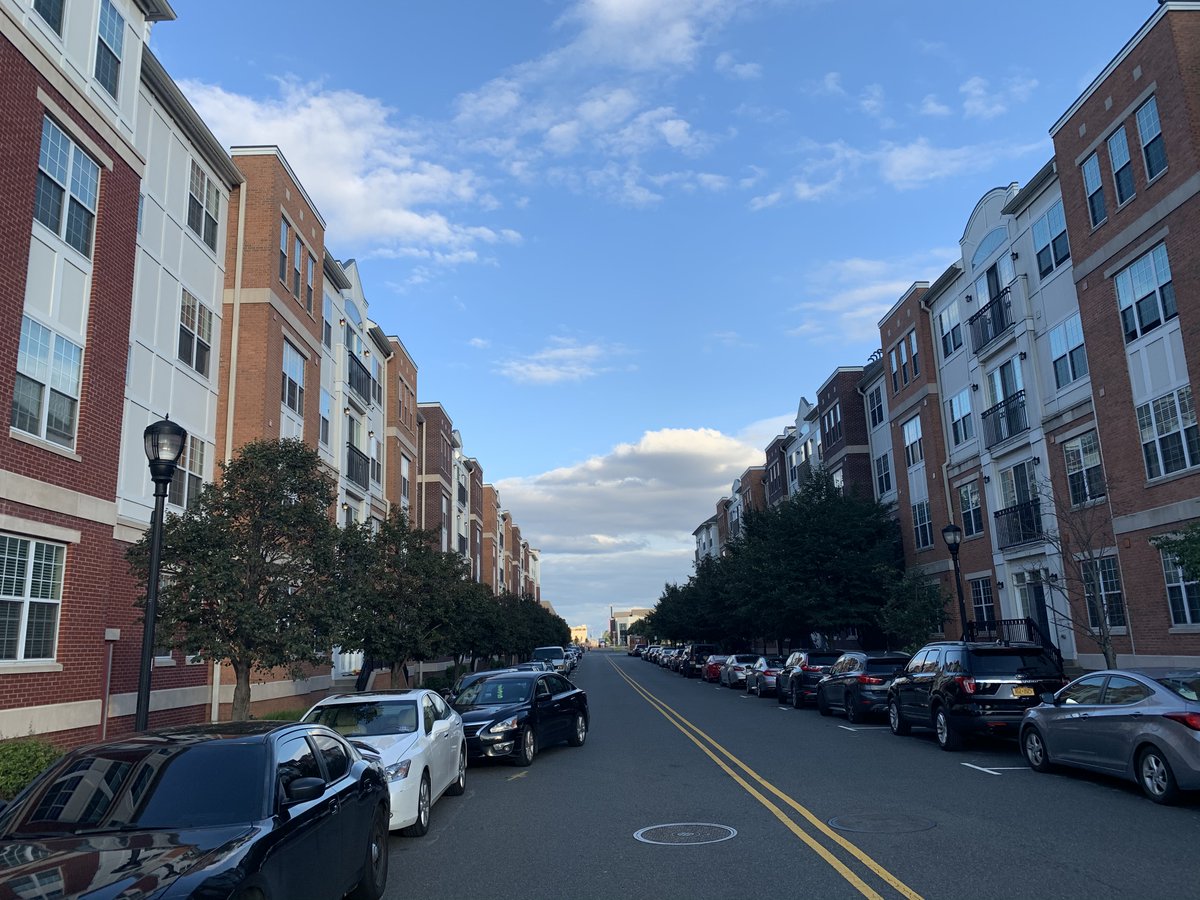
[(1022, 691)]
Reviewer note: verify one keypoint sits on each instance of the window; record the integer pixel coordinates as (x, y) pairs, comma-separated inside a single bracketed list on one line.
[(1050, 240), (327, 323), (204, 204), (308, 289), (895, 370), (296, 760), (283, 248), (333, 751), (1183, 595), (1154, 152), (296, 258), (1145, 293), (1066, 350), (46, 393), (971, 507), (1122, 690), (1093, 186), (52, 12), (1122, 168), (376, 464), (31, 578), (195, 333), (1170, 439), (1085, 692), (962, 427), (1102, 590), (326, 415), (904, 361), (950, 329), (189, 474), (914, 451), (292, 393), (62, 164), (883, 474), (839, 481), (404, 476), (982, 602), (1085, 475), (912, 343), (108, 48), (875, 401), (832, 422), (922, 528)]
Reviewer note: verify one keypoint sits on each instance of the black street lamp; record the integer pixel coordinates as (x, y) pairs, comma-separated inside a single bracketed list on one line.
[(164, 443), (952, 535)]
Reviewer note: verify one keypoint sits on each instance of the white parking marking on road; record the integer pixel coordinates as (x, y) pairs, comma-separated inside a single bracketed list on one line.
[(997, 770), (864, 728), (515, 777)]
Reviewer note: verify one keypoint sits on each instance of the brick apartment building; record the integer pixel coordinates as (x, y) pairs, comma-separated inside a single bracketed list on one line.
[(435, 467), (492, 537), (400, 449), (841, 426)]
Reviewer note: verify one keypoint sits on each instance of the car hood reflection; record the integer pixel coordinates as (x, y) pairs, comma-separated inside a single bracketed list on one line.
[(487, 712)]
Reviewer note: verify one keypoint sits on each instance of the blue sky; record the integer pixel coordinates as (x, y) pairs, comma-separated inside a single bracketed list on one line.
[(623, 237)]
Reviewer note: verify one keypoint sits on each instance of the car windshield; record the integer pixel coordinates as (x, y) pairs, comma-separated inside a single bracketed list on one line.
[(368, 718), (495, 692), (123, 787), (1185, 684), (1013, 662), (885, 664), (547, 653)]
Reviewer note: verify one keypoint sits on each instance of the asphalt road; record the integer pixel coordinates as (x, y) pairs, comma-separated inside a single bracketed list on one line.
[(664, 750)]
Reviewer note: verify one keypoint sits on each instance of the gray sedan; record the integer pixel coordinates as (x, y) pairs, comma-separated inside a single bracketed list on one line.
[(1139, 724)]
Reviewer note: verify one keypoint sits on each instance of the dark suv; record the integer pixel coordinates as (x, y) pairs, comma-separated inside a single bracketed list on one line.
[(694, 656), (961, 687)]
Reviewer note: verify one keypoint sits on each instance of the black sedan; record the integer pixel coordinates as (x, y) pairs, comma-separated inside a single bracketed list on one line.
[(513, 714), (857, 684), (247, 809)]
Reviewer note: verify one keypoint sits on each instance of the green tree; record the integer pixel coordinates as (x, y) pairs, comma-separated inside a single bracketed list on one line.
[(915, 609), (1185, 547), (247, 570)]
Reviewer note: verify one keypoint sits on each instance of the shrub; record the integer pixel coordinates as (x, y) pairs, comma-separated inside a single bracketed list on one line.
[(283, 715), (21, 761)]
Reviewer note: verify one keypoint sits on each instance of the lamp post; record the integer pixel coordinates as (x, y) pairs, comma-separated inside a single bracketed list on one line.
[(164, 442), (952, 535)]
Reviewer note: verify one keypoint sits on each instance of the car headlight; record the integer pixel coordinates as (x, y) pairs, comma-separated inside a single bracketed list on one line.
[(504, 725), (398, 771)]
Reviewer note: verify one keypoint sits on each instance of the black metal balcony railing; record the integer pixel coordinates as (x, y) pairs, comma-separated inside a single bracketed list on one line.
[(1019, 524), (360, 378), (1009, 630), (358, 467), (991, 321), (1004, 420)]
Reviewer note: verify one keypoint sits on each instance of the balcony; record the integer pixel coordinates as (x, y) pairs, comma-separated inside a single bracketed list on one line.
[(360, 378), (1020, 524), (1004, 420), (358, 467), (991, 321)]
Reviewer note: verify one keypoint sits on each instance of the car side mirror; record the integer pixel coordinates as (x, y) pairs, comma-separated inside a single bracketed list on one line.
[(299, 790), (1049, 698)]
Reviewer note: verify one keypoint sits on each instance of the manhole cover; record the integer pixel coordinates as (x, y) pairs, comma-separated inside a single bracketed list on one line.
[(685, 833), (881, 823)]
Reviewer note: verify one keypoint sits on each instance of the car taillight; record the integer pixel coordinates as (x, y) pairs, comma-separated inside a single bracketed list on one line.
[(812, 668), (771, 672), (966, 682), (869, 679), (739, 668), (1190, 719)]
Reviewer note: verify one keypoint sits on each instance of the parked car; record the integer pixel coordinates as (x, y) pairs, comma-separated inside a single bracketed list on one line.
[(1142, 725), (857, 684), (675, 663), (651, 652), (637, 650), (664, 658), (533, 666), (806, 673), (556, 657), (961, 687), (694, 656), (513, 715), (760, 679), (419, 740), (789, 665), (733, 670), (468, 678), (711, 671), (233, 809)]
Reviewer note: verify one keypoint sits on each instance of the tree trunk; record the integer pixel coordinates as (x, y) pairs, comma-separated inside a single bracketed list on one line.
[(241, 691), (1110, 654)]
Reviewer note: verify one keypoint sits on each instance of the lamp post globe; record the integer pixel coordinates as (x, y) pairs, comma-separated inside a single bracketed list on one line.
[(952, 535), (164, 441)]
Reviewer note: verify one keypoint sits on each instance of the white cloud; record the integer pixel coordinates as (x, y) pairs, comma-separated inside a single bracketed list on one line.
[(765, 201), (913, 165), (727, 65), (479, 343), (981, 102), (871, 100), (563, 359), (830, 85), (931, 106)]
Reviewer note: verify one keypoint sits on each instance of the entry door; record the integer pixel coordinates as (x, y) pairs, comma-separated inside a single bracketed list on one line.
[(1017, 485)]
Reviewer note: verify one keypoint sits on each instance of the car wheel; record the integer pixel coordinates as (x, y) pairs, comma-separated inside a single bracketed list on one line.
[(749, 689), (1155, 776), (1033, 748), (795, 697), (579, 731), (527, 747), (458, 786), (424, 802), (375, 865), (853, 716), (947, 737), (822, 703), (896, 720), (769, 695)]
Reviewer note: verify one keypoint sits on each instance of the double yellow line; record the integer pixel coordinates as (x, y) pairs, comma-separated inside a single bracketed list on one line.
[(746, 776)]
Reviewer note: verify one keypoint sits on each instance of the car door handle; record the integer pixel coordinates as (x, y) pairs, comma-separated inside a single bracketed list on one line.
[(334, 805)]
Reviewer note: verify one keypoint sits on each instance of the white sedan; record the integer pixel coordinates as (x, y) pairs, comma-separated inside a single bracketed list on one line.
[(418, 737)]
